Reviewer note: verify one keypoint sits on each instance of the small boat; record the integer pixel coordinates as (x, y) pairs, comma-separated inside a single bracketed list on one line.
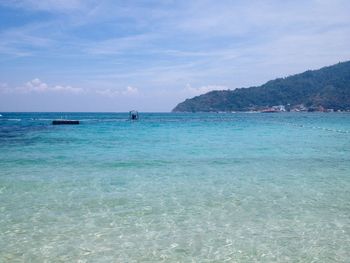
[(63, 122), (133, 115), (270, 111)]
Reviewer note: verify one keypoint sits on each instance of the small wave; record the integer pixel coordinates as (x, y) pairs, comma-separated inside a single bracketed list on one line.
[(40, 119)]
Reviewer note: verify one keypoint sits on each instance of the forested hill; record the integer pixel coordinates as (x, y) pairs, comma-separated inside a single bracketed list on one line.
[(328, 87)]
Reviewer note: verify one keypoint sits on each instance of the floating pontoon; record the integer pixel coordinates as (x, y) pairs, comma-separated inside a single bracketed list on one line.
[(62, 122)]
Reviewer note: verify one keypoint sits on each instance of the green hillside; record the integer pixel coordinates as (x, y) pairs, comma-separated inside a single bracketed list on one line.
[(328, 87)]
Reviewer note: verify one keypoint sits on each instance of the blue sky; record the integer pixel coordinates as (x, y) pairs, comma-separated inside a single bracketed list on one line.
[(75, 55)]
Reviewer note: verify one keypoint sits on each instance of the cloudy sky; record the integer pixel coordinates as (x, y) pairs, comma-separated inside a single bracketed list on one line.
[(87, 55)]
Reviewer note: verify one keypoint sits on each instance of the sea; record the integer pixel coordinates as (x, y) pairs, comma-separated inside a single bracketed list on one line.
[(175, 187)]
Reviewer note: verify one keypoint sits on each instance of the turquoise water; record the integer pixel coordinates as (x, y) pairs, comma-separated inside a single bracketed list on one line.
[(175, 188)]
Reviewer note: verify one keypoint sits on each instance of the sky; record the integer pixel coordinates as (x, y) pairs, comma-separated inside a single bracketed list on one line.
[(113, 56)]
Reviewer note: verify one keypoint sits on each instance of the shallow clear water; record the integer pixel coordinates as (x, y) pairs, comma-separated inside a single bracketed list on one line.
[(175, 188)]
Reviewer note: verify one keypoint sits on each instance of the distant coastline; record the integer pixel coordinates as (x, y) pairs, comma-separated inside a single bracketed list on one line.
[(278, 109), (323, 90)]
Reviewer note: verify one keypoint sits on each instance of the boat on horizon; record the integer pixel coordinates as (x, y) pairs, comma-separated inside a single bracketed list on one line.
[(133, 115), (270, 111)]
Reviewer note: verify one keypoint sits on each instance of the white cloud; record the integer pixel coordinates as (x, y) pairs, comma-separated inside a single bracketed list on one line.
[(35, 85), (38, 86), (68, 89), (203, 89), (128, 91), (108, 92)]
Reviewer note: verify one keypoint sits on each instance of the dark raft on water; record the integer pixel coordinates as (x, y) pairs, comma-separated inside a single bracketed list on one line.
[(62, 122)]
